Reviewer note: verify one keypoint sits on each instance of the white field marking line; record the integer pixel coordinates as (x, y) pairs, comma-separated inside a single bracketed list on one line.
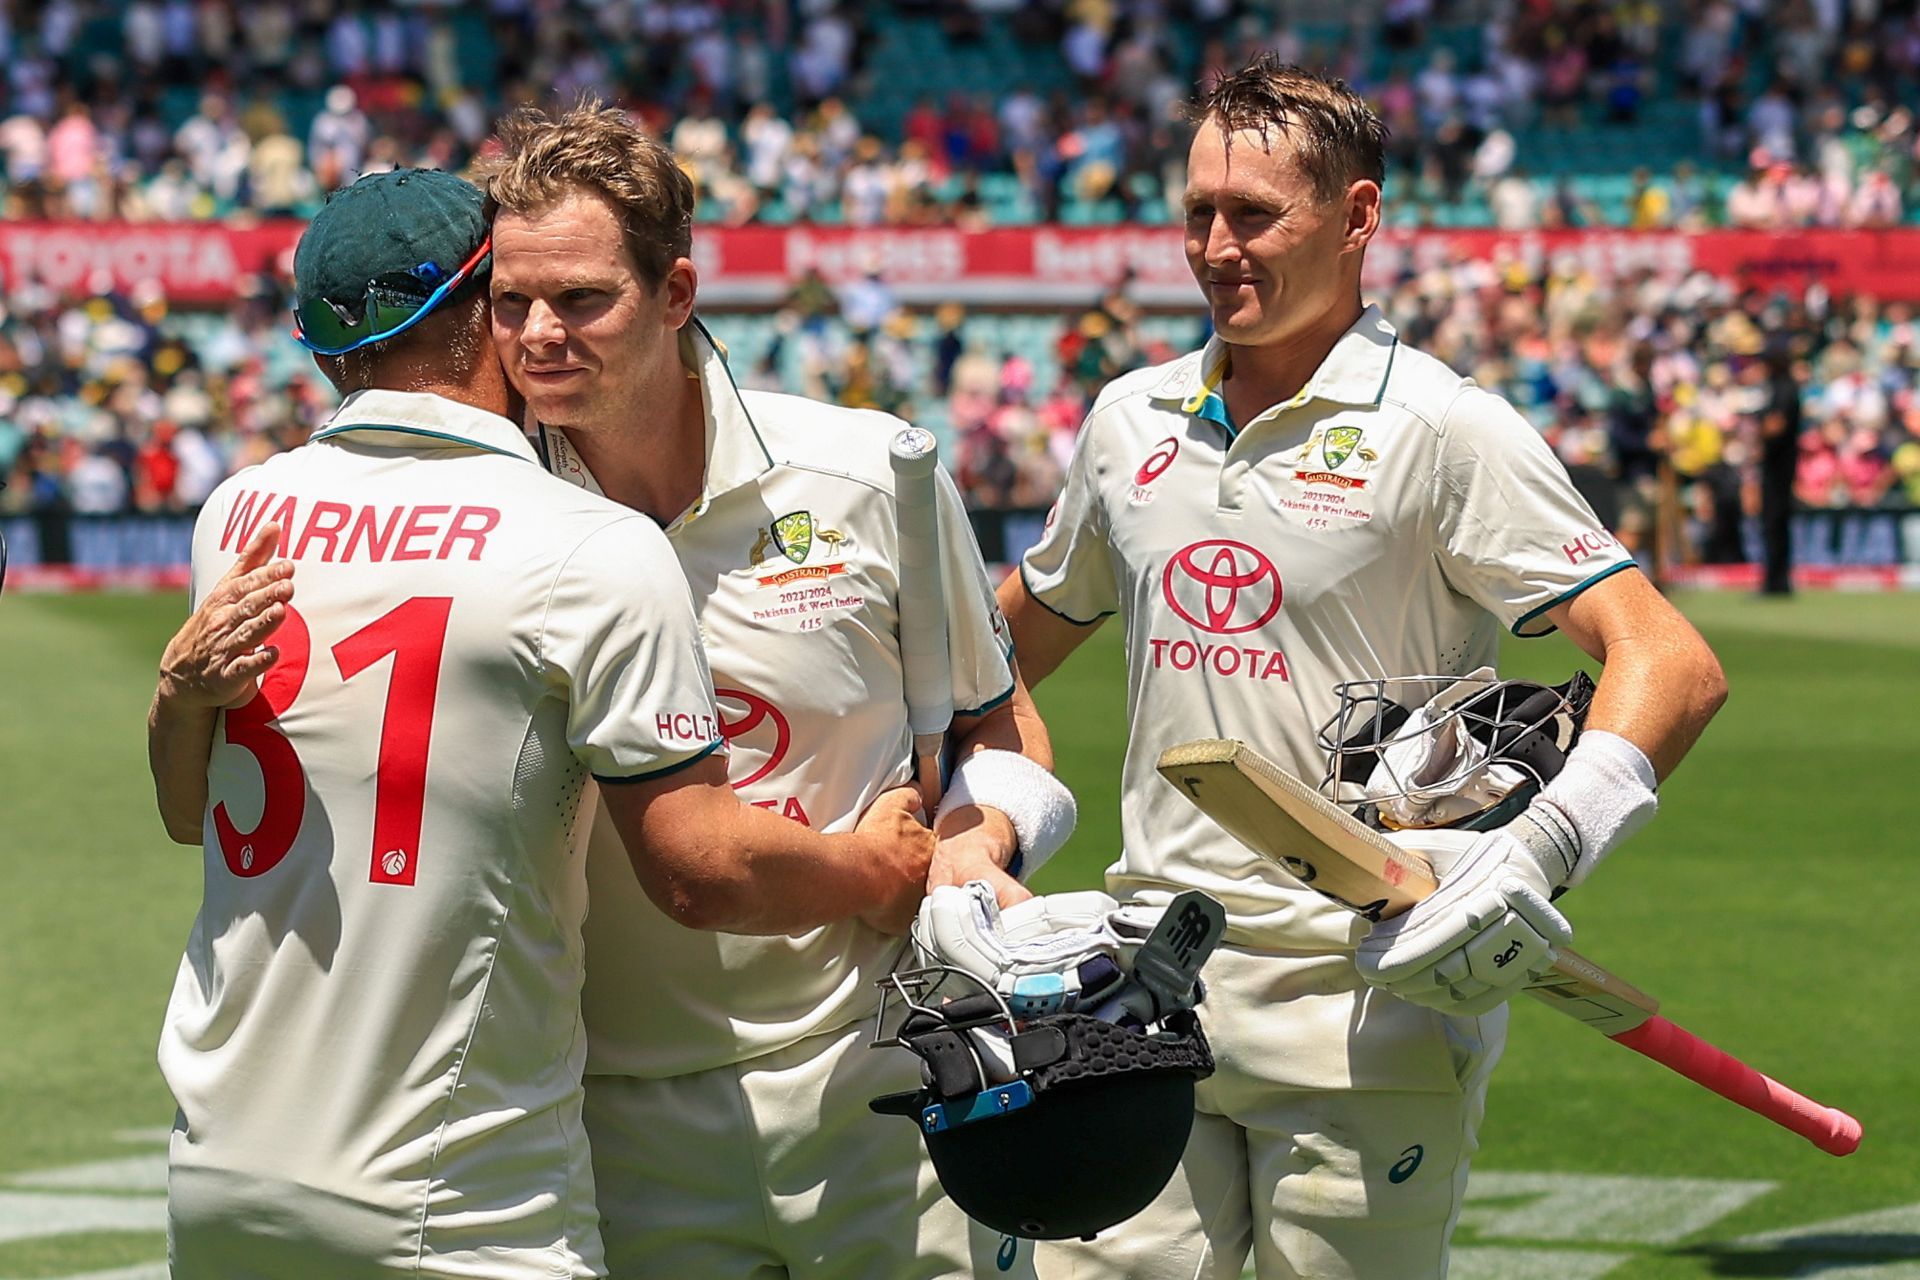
[(158, 1136), (130, 1173), (31, 1215), (1598, 1208), (1894, 1231), (1481, 1262)]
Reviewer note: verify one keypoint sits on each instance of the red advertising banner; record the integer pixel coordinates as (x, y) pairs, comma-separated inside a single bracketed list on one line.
[(194, 262), (1050, 265), (202, 263)]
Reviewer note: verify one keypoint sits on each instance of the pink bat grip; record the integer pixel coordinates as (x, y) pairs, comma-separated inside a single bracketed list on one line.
[(1828, 1128)]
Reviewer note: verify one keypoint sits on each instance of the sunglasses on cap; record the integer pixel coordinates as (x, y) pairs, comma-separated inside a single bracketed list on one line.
[(327, 328)]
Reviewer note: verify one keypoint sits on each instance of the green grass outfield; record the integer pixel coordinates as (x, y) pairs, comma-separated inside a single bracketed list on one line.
[(1770, 907)]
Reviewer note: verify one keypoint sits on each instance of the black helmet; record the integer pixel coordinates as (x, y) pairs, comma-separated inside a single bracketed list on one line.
[(1042, 1032), (1013, 1155)]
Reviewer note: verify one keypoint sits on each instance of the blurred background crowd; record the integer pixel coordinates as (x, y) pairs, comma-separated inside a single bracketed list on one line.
[(1516, 114)]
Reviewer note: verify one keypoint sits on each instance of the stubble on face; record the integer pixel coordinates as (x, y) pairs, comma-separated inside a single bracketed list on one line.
[(1260, 241), (576, 327)]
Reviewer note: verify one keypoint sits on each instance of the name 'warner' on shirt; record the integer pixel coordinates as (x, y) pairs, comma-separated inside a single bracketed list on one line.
[(369, 533)]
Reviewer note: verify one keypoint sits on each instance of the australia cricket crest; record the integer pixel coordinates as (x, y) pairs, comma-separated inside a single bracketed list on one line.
[(1339, 445), (793, 535)]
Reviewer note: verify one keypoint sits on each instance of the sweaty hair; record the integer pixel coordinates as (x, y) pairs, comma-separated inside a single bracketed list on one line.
[(545, 156), (1336, 136)]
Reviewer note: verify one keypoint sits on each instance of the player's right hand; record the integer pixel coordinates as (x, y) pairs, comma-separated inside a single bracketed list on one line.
[(1484, 934), (892, 824), (217, 658)]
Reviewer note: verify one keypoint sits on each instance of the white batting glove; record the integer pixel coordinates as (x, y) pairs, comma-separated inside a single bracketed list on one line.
[(1486, 932)]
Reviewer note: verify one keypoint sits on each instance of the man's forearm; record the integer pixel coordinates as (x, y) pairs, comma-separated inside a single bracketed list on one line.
[(1659, 681), (179, 741), (1658, 696), (710, 861), (789, 879), (1014, 726)]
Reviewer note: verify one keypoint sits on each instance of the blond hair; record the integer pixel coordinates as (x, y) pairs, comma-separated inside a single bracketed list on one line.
[(545, 156), (1336, 136)]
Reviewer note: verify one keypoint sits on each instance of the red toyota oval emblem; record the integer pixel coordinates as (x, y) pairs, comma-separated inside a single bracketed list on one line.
[(1222, 586), (757, 711), (1158, 461)]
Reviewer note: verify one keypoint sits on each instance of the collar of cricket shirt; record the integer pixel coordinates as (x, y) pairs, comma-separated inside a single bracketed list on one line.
[(736, 454), (1354, 372), (422, 421)]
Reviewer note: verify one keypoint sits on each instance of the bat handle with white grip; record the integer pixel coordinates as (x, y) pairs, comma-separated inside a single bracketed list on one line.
[(926, 668), (1828, 1128)]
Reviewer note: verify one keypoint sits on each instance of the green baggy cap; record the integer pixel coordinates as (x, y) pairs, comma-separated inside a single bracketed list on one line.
[(383, 253)]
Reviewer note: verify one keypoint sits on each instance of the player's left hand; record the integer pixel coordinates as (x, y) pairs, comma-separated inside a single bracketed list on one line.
[(968, 854), (218, 656), (1483, 935), (902, 840), (974, 842)]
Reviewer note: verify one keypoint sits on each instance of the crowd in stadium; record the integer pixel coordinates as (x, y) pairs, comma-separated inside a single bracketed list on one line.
[(119, 403), (1715, 112), (177, 110)]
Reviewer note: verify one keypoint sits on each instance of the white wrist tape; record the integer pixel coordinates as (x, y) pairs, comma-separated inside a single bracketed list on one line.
[(1038, 804), (1602, 796)]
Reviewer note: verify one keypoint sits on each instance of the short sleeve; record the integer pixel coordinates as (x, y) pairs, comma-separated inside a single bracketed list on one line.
[(1513, 534), (977, 640), (1070, 570), (620, 634)]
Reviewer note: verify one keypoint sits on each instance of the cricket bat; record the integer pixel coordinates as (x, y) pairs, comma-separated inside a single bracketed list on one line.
[(1288, 822), (926, 667)]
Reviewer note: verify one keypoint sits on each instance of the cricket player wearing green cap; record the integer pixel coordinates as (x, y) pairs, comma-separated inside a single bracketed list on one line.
[(375, 1034)]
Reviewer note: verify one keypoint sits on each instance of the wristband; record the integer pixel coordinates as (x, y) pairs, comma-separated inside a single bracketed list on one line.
[(1603, 795), (1038, 804)]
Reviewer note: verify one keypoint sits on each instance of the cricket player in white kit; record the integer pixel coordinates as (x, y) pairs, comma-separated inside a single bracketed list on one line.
[(375, 1037), (728, 1077), (1305, 501)]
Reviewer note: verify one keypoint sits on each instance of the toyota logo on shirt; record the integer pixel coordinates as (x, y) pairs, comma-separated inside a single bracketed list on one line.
[(1222, 586), (759, 718)]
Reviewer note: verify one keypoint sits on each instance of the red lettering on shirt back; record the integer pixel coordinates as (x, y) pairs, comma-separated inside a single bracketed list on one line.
[(470, 525), (319, 529), (325, 523), (243, 518), (378, 537), (416, 527)]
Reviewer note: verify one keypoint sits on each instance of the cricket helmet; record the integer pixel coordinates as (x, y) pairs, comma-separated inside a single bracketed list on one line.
[(1467, 752), (1041, 1032)]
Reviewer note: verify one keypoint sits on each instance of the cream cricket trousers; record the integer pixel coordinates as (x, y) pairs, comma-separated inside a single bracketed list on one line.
[(775, 1169)]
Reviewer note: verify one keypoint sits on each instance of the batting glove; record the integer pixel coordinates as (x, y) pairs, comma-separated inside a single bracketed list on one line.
[(1483, 935)]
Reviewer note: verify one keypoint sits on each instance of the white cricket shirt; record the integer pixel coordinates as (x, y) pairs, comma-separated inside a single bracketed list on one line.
[(1385, 521), (791, 553), (375, 1035)]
